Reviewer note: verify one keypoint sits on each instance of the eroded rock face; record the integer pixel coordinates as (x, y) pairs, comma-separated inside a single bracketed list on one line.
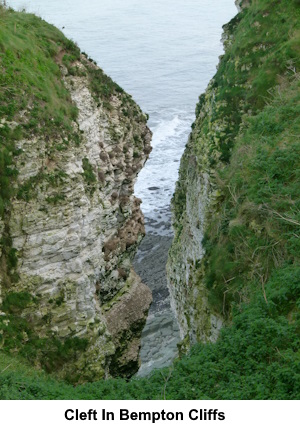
[(189, 296), (199, 310), (125, 318), (77, 234), (193, 205)]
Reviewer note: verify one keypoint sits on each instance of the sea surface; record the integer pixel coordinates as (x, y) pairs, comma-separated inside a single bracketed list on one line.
[(163, 53)]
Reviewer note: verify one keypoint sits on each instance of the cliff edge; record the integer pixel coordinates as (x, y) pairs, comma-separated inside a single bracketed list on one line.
[(72, 144), (235, 214)]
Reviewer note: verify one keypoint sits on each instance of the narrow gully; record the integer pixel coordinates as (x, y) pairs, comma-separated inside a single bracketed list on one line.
[(161, 333), (155, 186)]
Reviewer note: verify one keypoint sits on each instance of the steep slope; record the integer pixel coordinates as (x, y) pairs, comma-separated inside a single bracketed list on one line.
[(72, 144), (243, 232), (236, 213)]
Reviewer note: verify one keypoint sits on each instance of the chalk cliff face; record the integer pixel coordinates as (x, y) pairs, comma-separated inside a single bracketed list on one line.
[(204, 276), (193, 204), (74, 227)]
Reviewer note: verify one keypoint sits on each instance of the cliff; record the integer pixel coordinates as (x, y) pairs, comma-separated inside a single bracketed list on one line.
[(72, 144), (234, 262), (234, 209)]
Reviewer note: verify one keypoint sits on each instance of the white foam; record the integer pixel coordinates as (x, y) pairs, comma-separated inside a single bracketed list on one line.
[(165, 129), (156, 182)]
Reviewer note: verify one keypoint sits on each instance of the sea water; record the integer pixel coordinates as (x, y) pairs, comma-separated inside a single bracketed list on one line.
[(163, 53)]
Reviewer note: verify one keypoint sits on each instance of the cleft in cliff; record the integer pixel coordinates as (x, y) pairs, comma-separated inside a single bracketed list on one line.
[(72, 144)]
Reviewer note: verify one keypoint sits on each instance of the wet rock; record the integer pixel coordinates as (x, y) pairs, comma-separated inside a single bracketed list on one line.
[(161, 333)]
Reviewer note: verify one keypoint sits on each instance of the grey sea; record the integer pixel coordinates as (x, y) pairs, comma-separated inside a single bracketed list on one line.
[(163, 53)]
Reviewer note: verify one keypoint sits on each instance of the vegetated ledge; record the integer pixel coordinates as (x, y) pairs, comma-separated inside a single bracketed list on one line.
[(72, 143)]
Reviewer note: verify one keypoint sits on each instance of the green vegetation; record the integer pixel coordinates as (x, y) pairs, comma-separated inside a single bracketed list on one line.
[(31, 89), (258, 224), (262, 46), (265, 46), (256, 358), (246, 138), (35, 105), (249, 144), (17, 334), (33, 98), (88, 173), (27, 190), (33, 102), (101, 84)]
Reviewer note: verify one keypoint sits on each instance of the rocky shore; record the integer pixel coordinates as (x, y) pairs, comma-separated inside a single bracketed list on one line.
[(161, 333)]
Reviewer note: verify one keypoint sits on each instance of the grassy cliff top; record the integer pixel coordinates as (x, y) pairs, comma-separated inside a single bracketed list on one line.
[(33, 98), (31, 89)]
